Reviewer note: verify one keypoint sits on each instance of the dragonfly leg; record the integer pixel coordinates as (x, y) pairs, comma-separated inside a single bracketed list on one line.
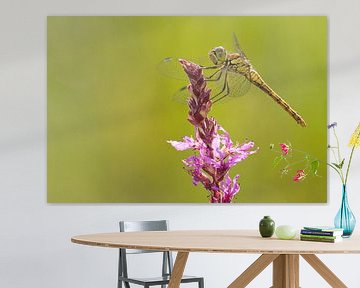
[(210, 67), (226, 94), (212, 75), (225, 87)]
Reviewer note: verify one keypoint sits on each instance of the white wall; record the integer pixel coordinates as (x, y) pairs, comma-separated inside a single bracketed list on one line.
[(35, 248)]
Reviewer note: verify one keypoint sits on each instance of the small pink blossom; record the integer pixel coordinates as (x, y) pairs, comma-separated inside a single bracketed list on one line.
[(188, 143), (284, 148), (300, 175), (230, 188), (195, 165)]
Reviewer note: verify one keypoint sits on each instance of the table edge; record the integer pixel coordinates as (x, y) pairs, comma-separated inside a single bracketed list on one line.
[(203, 250)]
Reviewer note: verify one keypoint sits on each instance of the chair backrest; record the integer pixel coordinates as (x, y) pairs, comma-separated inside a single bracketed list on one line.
[(134, 226)]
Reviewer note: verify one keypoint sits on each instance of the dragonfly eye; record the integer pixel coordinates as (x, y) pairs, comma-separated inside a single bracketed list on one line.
[(218, 55)]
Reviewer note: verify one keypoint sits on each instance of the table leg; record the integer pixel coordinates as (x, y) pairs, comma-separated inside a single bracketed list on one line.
[(253, 270), (286, 271), (178, 269), (324, 271)]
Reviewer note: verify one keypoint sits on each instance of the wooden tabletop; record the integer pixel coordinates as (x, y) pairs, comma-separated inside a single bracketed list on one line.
[(217, 241)]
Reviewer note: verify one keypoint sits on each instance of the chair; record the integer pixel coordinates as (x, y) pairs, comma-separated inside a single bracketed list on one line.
[(167, 262)]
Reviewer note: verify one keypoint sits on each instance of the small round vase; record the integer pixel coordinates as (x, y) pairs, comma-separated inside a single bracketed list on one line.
[(266, 227), (345, 219)]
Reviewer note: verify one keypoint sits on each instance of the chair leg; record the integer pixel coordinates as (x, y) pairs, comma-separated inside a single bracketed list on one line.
[(201, 283)]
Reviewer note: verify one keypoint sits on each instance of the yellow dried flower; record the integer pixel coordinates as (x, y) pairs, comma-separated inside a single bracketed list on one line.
[(355, 138)]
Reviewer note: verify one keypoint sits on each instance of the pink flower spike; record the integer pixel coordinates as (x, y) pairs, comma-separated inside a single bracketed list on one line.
[(214, 151), (285, 149), (300, 175)]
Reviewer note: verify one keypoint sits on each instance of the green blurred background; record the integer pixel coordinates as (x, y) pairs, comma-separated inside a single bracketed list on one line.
[(110, 111)]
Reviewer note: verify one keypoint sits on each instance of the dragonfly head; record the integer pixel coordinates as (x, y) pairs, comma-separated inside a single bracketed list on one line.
[(218, 55)]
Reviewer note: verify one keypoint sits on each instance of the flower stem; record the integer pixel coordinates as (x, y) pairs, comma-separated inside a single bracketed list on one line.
[(351, 155), (294, 163), (340, 172), (337, 171), (348, 167), (333, 152), (338, 146)]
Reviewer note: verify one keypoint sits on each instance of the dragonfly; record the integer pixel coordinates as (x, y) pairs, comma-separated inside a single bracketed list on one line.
[(231, 75)]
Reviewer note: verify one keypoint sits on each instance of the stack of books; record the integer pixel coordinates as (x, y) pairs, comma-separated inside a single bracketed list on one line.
[(321, 234)]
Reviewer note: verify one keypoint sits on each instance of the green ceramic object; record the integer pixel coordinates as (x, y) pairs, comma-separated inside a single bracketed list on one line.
[(266, 226), (285, 232)]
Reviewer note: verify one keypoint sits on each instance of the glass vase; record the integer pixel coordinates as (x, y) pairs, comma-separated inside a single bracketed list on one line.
[(345, 219)]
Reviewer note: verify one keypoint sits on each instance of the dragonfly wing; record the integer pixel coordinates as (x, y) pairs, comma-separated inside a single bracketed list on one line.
[(237, 47), (238, 84), (229, 84), (181, 95), (171, 67), (215, 82)]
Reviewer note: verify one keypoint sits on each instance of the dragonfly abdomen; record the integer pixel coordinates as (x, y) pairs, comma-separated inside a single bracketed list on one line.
[(256, 79)]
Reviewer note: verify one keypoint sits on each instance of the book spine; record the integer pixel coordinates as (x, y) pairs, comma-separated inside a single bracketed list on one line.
[(319, 236), (319, 233), (317, 239)]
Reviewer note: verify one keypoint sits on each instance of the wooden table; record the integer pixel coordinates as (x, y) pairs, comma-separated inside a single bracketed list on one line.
[(284, 254)]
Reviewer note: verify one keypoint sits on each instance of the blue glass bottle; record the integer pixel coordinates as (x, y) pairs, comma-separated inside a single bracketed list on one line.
[(345, 219)]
